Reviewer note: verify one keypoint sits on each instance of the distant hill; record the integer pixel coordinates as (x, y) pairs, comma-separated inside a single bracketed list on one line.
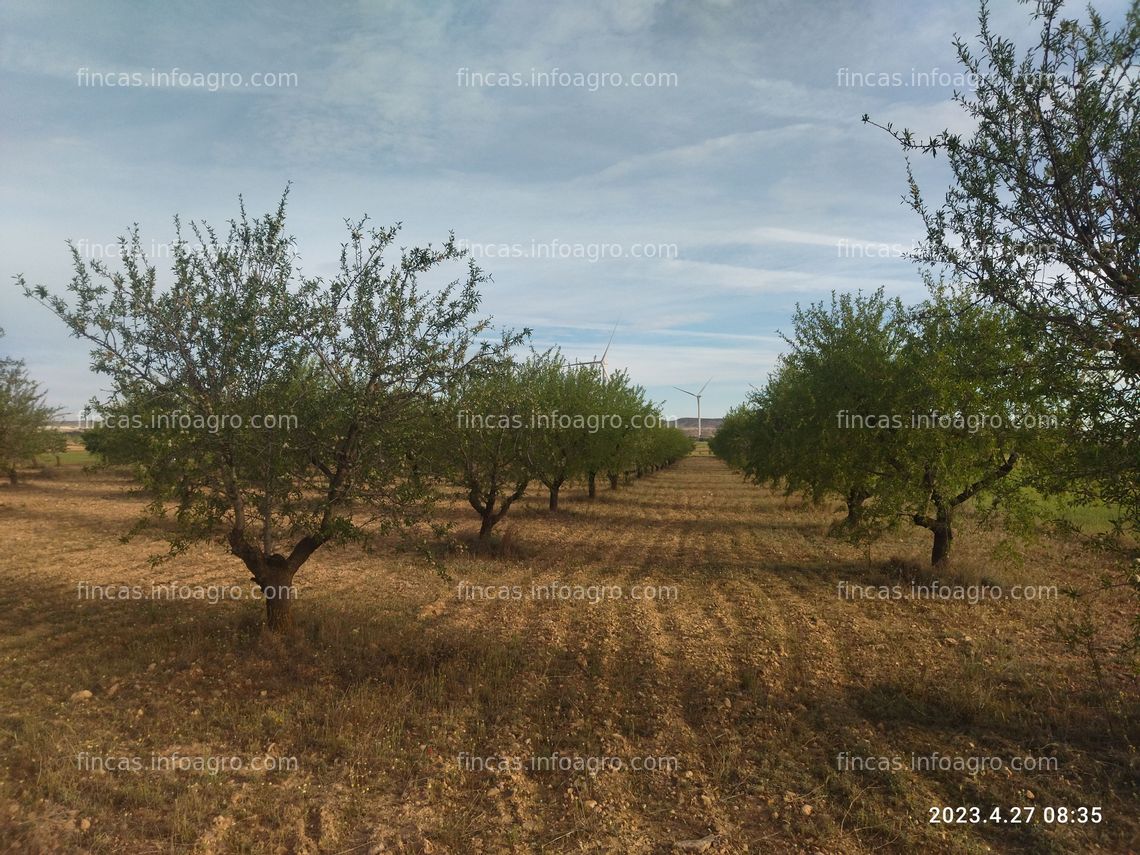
[(708, 426)]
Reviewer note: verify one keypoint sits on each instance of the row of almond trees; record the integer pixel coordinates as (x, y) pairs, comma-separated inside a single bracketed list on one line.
[(544, 421), (906, 414), (277, 412)]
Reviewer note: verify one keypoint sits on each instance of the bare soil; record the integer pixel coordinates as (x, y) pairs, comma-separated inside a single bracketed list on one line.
[(746, 683)]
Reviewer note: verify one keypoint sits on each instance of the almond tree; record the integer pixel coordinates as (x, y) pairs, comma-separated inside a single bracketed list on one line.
[(835, 393), (733, 440), (905, 416), (661, 445), (484, 439), (1041, 217), (25, 420), (978, 406), (613, 449), (567, 403), (273, 412)]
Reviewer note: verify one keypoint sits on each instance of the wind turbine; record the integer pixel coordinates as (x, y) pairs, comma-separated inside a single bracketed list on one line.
[(601, 362), (696, 395)]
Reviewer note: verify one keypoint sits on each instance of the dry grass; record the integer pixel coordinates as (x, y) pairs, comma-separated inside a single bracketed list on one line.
[(754, 678)]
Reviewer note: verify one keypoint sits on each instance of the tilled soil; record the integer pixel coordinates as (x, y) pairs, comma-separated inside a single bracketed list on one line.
[(773, 714)]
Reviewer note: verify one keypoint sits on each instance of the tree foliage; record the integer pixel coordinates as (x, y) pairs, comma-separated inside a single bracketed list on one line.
[(540, 419), (904, 415), (25, 420), (275, 411), (1042, 217), (485, 440)]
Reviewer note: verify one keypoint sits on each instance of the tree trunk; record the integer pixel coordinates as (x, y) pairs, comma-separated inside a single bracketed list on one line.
[(613, 480), (274, 574), (554, 488), (491, 516), (484, 508), (486, 525), (276, 585), (855, 500), (942, 527), (943, 523), (12, 476), (943, 538), (593, 484)]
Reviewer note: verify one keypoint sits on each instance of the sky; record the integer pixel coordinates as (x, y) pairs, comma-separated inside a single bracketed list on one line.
[(683, 170)]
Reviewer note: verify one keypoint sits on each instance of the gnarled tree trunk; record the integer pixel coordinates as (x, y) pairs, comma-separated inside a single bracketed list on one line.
[(942, 524), (274, 574), (494, 507)]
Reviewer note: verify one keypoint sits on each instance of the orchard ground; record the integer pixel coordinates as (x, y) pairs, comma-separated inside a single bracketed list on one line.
[(414, 715)]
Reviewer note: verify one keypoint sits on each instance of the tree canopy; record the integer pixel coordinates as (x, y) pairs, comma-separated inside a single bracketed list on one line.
[(1041, 217), (25, 420), (276, 411)]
